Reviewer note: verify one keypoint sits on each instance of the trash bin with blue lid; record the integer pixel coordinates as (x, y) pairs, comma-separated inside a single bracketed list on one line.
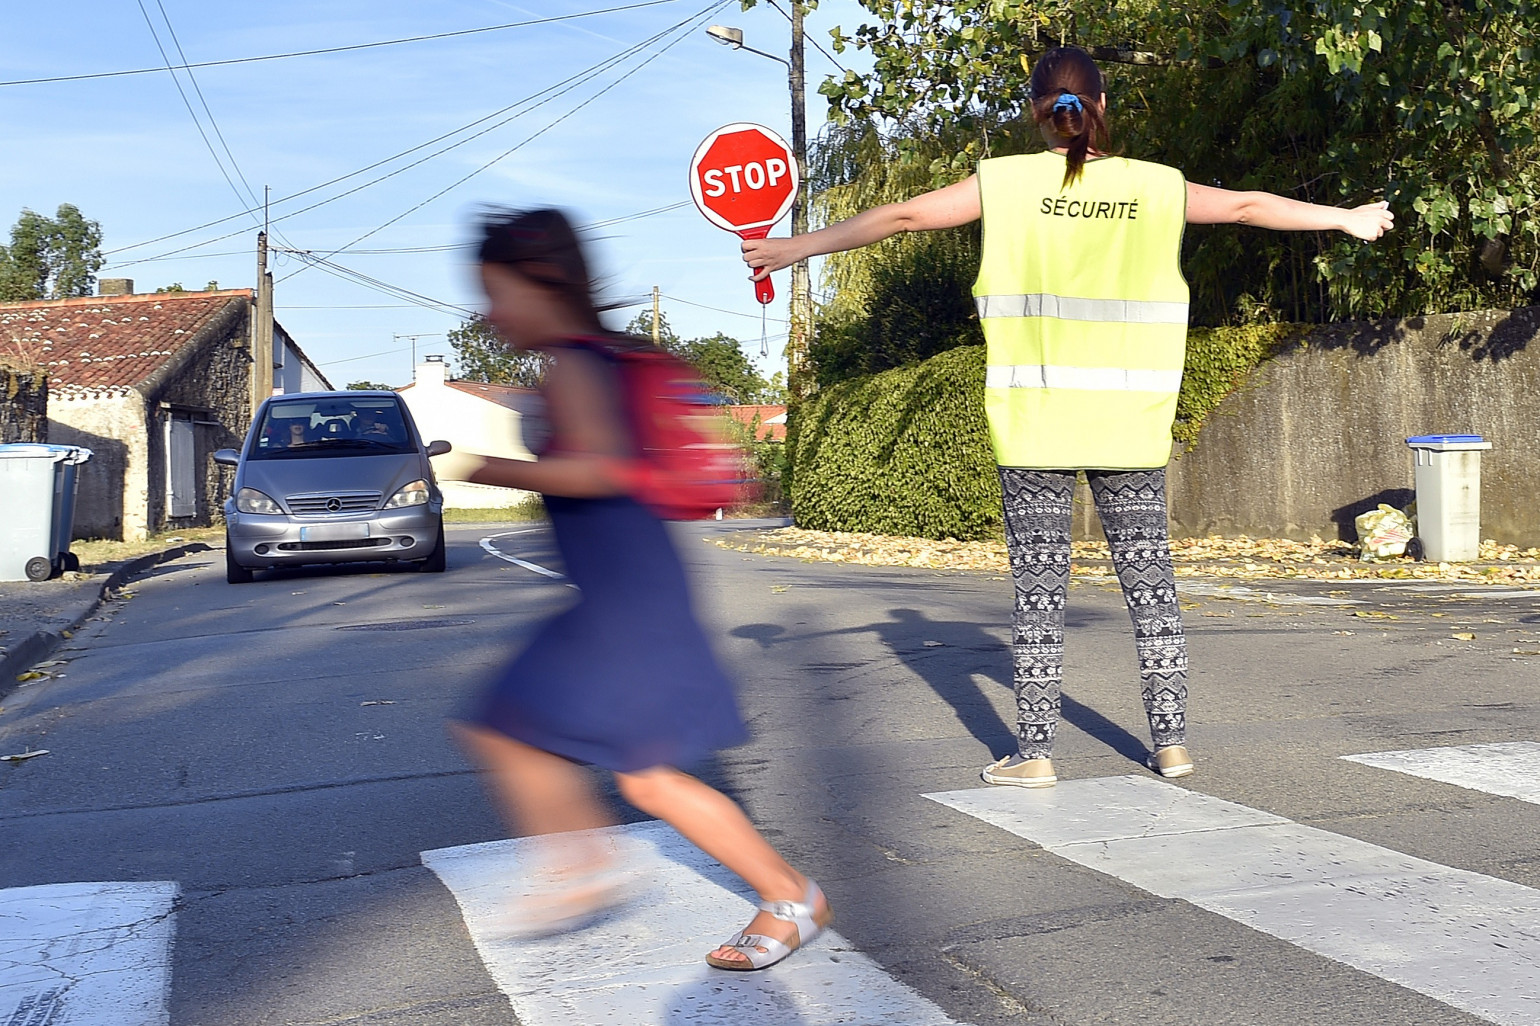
[(37, 507), (1448, 479)]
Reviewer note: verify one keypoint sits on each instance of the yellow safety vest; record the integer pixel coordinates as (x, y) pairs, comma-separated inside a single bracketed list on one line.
[(1084, 309)]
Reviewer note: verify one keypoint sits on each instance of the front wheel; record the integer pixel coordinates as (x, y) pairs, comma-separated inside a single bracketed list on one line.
[(436, 563), (234, 572)]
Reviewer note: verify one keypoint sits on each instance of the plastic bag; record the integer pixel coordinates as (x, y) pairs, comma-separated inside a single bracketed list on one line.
[(1383, 532)]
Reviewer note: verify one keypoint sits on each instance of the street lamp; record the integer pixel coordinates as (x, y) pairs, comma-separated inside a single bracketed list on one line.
[(801, 286)]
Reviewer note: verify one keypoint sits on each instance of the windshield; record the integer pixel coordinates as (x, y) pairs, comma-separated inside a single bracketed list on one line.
[(302, 428)]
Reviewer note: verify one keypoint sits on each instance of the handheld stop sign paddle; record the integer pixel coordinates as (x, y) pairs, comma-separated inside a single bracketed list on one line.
[(743, 177)]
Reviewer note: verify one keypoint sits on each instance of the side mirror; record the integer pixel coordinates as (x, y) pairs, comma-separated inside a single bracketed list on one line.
[(436, 448), (227, 457)]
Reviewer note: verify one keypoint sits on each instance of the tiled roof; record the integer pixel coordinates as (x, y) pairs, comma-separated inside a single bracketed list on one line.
[(511, 396), (108, 345), (772, 420)]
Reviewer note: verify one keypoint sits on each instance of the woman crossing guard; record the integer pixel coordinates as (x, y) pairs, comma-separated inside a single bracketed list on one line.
[(1084, 310), (624, 679)]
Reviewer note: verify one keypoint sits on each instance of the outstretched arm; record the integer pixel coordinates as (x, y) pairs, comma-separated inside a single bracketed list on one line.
[(1207, 205), (944, 208)]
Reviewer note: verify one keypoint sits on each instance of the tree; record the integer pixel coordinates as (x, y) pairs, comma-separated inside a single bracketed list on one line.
[(367, 386), (1431, 105), (718, 358), (481, 355), (50, 258)]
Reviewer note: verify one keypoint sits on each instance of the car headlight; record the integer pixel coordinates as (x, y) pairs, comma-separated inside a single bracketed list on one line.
[(249, 500), (413, 494)]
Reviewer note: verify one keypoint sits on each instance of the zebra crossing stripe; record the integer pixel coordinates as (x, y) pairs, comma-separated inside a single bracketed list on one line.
[(644, 966), (86, 954), (1469, 940), (1510, 769)]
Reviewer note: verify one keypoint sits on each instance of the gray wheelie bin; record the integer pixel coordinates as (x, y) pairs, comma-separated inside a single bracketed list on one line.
[(37, 507), (1447, 471)]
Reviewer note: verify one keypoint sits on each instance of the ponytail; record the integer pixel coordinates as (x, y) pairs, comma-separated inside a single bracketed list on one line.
[(1066, 90)]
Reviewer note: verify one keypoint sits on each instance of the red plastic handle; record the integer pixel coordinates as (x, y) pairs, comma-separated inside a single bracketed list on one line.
[(764, 291)]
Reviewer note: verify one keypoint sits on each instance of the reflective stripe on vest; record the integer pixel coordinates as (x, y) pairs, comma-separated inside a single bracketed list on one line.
[(1085, 317), (1071, 308), (1085, 379)]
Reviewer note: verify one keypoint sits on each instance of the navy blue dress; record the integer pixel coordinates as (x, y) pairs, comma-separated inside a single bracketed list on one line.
[(625, 678)]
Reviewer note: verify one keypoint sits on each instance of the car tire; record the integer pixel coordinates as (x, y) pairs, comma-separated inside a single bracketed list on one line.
[(436, 563), (234, 572)]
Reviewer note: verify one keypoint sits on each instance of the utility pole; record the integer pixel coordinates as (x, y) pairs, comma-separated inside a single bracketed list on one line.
[(262, 330), (656, 334), (801, 312)]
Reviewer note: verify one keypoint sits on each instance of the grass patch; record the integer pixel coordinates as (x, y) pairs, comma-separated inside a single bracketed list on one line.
[(530, 509), (97, 552)]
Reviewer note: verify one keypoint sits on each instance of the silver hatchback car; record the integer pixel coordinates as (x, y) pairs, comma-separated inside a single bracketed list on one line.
[(332, 477)]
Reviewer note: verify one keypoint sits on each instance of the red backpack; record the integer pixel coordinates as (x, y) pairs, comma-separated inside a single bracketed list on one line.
[(687, 466)]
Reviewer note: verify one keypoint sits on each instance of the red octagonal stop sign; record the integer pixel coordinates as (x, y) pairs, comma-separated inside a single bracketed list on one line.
[(744, 179)]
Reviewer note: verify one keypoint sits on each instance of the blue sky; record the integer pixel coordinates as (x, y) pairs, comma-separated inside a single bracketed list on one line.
[(127, 152)]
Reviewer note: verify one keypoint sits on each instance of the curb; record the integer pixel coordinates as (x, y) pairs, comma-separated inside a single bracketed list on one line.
[(37, 646)]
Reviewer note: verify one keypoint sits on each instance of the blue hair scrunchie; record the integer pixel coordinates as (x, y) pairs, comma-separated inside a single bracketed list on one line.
[(1068, 101)]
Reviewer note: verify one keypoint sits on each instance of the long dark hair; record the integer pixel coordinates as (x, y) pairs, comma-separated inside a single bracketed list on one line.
[(1066, 90), (542, 246)]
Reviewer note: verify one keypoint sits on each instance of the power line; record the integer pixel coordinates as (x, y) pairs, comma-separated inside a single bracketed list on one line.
[(197, 122), (815, 42), (556, 90), (706, 12), (391, 251), (336, 49), (718, 309)]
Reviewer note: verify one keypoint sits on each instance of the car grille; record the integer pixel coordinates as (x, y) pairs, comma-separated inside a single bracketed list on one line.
[(362, 543), (333, 504)]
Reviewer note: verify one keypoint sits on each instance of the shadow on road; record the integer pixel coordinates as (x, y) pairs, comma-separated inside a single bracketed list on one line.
[(950, 656)]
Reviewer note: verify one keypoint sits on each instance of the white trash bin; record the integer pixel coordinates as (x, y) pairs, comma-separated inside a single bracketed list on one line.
[(1448, 478), (37, 507)]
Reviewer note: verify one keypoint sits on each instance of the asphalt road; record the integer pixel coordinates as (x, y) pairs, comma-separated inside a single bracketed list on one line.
[(277, 751)]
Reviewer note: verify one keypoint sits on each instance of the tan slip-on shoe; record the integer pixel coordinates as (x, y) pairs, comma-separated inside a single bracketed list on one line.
[(1170, 761), (1019, 772)]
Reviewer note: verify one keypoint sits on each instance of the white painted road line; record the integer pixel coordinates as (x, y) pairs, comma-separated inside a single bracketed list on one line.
[(1241, 593), (1510, 769), (86, 954), (487, 544), (644, 966), (1470, 940)]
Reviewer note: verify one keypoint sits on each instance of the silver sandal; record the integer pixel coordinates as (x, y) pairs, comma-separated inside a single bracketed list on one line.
[(762, 952)]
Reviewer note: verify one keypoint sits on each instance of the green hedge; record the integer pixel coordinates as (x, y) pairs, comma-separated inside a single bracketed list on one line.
[(907, 452), (1218, 362), (904, 452)]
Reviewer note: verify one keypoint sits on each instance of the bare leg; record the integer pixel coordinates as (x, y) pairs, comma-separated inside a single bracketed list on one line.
[(716, 825), (540, 793)]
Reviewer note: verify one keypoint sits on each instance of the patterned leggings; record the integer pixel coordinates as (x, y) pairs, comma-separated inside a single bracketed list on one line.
[(1132, 507)]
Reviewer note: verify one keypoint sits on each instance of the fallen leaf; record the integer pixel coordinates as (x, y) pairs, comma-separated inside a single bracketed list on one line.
[(1526, 651), (379, 701), (1347, 634), (51, 662), (934, 644), (1463, 636), (28, 754), (776, 589), (31, 675)]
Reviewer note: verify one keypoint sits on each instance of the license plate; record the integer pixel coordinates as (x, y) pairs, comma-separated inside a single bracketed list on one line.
[(334, 532)]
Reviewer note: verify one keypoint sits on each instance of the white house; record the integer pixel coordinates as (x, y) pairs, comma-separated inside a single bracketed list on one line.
[(473, 417)]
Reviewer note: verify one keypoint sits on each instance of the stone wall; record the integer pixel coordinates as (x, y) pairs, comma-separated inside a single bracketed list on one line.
[(23, 403), (1317, 436), (213, 383)]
